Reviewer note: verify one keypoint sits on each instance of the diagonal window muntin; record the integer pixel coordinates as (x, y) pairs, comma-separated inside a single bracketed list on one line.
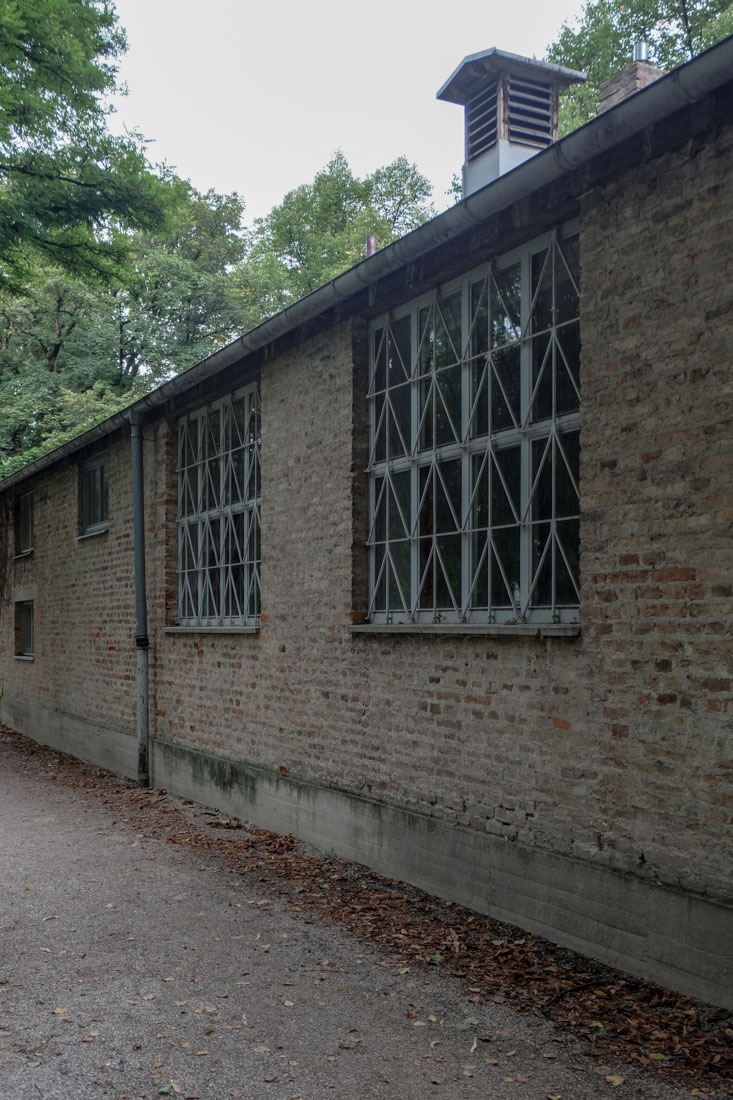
[(218, 512), (514, 372)]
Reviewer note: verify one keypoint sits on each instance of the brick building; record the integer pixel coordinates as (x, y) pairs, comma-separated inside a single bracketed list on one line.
[(406, 593)]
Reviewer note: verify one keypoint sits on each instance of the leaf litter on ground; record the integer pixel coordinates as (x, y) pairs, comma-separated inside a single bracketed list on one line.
[(618, 1016)]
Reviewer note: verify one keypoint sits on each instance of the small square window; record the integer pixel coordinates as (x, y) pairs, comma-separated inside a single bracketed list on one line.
[(24, 524), (94, 495), (24, 641)]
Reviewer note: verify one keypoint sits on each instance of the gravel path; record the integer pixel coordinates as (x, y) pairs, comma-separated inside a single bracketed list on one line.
[(130, 969)]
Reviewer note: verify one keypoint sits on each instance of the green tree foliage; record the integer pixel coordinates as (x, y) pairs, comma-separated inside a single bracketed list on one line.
[(601, 42), (68, 189), (320, 229), (72, 352)]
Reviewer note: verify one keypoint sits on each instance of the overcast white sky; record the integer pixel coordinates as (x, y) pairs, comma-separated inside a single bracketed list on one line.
[(255, 97)]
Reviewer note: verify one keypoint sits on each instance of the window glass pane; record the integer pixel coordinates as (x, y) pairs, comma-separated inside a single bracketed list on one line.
[(380, 428), (399, 511), (480, 315), (480, 465), (379, 511), (25, 524), (448, 574), (399, 586), (568, 538), (212, 438), (480, 397), (399, 421), (400, 359), (448, 496), (427, 575), (238, 429), (425, 330), (542, 499), (448, 406), (542, 377), (104, 493), (567, 467), (505, 296), (479, 595), (505, 387), (542, 558), (567, 360), (95, 494), (505, 565), (541, 291), (379, 598), (24, 641), (506, 470), (379, 371), (448, 331), (566, 296), (426, 408)]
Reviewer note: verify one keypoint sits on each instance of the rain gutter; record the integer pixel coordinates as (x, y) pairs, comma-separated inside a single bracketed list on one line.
[(685, 85)]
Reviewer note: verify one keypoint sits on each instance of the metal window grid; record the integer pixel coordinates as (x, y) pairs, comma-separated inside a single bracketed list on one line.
[(218, 512), (474, 424)]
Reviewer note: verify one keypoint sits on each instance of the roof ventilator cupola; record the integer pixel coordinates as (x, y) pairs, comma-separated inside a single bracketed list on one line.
[(510, 110)]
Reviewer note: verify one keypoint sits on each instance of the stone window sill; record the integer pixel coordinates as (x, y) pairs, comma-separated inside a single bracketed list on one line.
[(211, 630), (23, 554), (24, 657), (93, 534), (492, 630)]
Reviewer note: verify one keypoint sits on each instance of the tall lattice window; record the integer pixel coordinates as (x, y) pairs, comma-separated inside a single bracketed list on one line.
[(218, 513), (474, 405)]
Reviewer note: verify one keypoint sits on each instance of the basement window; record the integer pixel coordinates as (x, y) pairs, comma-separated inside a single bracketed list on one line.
[(474, 403), (24, 524), (219, 513), (24, 639), (94, 495)]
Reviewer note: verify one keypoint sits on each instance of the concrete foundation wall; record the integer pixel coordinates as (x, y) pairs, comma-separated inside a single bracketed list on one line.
[(114, 749), (680, 941)]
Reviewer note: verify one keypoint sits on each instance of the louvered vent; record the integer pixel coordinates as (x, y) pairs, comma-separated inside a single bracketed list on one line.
[(530, 113), (481, 121), (510, 111)]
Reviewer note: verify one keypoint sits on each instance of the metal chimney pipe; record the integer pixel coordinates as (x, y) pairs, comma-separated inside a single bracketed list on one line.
[(371, 242), (641, 51)]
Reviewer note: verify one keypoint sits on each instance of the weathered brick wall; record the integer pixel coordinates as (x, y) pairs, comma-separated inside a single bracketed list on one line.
[(84, 604), (612, 747), (657, 322)]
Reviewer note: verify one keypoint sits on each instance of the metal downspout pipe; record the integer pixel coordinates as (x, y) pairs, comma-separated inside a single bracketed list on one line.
[(142, 642)]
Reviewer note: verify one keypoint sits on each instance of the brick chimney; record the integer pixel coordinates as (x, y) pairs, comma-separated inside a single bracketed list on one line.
[(637, 74)]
